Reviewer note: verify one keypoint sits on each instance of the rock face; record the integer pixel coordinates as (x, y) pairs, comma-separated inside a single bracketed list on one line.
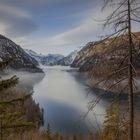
[(68, 60), (20, 60), (48, 60)]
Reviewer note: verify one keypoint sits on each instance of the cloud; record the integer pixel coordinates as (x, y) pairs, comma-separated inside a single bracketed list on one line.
[(76, 35), (65, 41), (15, 22), (41, 2), (64, 24), (87, 30)]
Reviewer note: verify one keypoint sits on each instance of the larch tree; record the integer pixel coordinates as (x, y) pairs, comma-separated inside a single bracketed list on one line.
[(113, 125), (125, 14)]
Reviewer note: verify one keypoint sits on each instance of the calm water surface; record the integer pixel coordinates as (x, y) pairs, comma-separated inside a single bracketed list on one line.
[(65, 98)]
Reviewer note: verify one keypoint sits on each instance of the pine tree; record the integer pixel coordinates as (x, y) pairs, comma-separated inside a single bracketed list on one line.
[(11, 109)]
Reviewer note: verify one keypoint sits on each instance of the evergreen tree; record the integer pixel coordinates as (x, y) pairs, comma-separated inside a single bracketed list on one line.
[(11, 109)]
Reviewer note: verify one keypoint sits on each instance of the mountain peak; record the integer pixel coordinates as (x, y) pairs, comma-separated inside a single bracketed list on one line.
[(53, 59)]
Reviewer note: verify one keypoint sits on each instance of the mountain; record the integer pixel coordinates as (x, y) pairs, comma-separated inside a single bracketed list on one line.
[(36, 56), (67, 61), (19, 59), (53, 59), (83, 55), (88, 57), (104, 55), (49, 60)]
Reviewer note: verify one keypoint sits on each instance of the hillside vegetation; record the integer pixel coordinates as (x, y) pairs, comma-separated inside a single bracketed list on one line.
[(103, 59), (103, 52)]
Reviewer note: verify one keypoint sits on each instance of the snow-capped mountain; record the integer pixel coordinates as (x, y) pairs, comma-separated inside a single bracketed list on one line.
[(19, 59), (53, 59), (36, 56), (67, 61), (49, 60)]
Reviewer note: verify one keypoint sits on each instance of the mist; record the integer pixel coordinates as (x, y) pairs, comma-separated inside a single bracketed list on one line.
[(27, 80)]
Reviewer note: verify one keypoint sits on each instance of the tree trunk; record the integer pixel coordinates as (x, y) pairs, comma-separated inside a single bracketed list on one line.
[(130, 78)]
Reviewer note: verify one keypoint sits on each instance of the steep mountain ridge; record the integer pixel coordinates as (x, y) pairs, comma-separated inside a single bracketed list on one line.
[(101, 54), (20, 59)]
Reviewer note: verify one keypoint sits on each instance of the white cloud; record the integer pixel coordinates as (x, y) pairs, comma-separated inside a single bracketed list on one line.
[(75, 35), (64, 42), (87, 30)]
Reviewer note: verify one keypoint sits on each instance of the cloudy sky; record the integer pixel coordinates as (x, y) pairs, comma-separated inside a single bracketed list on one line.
[(51, 26)]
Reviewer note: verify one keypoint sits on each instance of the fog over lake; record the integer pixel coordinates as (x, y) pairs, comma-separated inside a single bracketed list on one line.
[(65, 98)]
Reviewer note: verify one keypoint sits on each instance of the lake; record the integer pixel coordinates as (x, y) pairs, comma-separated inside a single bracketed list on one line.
[(65, 98)]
